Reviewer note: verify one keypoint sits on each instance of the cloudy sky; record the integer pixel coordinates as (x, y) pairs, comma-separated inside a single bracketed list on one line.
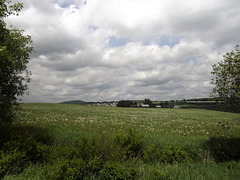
[(98, 50)]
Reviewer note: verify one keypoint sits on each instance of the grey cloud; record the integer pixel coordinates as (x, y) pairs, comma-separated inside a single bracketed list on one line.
[(78, 58), (55, 42)]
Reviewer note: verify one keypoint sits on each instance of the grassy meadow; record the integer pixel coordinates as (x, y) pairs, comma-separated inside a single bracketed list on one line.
[(61, 141)]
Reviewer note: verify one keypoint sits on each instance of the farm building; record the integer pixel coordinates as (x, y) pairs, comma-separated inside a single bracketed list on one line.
[(145, 105)]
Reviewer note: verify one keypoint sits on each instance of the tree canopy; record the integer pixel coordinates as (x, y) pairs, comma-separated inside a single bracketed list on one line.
[(15, 50), (227, 80)]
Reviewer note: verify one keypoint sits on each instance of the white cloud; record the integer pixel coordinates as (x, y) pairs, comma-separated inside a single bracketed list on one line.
[(119, 49)]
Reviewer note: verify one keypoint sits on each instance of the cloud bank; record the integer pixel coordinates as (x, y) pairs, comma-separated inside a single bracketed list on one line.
[(97, 50)]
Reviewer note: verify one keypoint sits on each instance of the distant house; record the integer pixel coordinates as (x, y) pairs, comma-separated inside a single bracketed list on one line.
[(158, 106), (114, 104), (145, 105)]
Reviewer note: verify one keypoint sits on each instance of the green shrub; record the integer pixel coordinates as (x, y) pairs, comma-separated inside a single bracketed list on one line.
[(75, 168), (174, 154), (116, 171), (157, 174), (104, 148), (131, 144), (83, 148), (224, 148), (11, 161), (86, 148), (152, 153), (171, 154), (66, 169), (20, 150)]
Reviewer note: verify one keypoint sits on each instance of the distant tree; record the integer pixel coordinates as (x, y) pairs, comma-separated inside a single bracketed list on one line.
[(126, 103), (184, 101), (164, 104), (15, 49), (227, 80), (149, 102)]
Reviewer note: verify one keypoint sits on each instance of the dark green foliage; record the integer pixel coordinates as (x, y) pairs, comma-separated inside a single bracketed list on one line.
[(67, 169), (19, 151), (224, 148), (171, 154), (124, 156), (131, 144), (157, 174), (126, 103), (223, 129), (116, 171), (227, 80), (152, 153), (15, 49), (104, 147), (6, 9), (149, 102), (86, 148), (21, 145), (175, 154)]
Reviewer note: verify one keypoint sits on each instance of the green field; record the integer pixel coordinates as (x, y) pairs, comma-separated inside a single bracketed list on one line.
[(77, 142)]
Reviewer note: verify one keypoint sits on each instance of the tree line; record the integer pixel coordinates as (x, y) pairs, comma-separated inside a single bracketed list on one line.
[(151, 104)]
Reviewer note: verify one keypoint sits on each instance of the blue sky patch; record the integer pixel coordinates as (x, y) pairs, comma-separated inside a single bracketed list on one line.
[(169, 40), (116, 42), (65, 4), (92, 27), (189, 59)]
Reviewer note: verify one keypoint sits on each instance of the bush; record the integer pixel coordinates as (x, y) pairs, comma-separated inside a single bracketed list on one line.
[(152, 153), (224, 148), (116, 171), (131, 144), (11, 161), (175, 154), (75, 168), (171, 154), (85, 149), (157, 174), (70, 169), (19, 150)]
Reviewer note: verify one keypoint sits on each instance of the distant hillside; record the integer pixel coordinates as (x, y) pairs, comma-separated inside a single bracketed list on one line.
[(74, 102)]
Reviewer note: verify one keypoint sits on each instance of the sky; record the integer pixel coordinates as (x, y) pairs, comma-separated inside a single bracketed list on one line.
[(109, 50)]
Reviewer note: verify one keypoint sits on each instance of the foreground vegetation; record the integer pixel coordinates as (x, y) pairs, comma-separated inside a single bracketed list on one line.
[(59, 141)]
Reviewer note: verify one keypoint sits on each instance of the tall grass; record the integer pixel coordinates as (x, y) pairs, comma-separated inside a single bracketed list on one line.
[(164, 143)]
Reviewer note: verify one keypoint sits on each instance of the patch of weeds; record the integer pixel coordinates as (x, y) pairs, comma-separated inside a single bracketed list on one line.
[(19, 151), (75, 168), (22, 146), (130, 143), (170, 154), (174, 154), (157, 174), (223, 129), (223, 148), (67, 169), (116, 171), (152, 154)]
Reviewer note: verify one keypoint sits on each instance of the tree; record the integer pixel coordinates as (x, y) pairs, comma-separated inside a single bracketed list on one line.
[(126, 103), (15, 49), (227, 80), (149, 102)]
